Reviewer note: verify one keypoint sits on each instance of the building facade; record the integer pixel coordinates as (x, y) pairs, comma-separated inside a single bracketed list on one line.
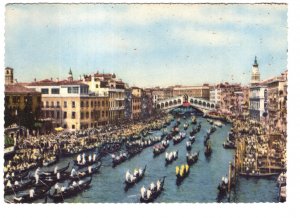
[(22, 105), (193, 91), (68, 104), (108, 85)]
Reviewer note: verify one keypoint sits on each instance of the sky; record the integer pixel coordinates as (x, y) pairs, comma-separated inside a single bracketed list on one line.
[(147, 45)]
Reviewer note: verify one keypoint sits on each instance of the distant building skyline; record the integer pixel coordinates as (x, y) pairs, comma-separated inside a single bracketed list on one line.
[(147, 45)]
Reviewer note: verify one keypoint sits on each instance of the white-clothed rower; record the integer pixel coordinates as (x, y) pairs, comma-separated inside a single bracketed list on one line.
[(135, 172), (90, 169), (226, 180), (140, 171), (36, 175), (127, 176), (158, 185), (148, 194), (73, 172), (78, 158), (55, 169), (90, 158), (143, 191), (31, 193), (58, 176), (167, 155), (16, 183), (152, 186), (94, 157)]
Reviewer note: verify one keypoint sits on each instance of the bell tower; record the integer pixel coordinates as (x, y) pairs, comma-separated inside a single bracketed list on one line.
[(255, 78), (9, 76)]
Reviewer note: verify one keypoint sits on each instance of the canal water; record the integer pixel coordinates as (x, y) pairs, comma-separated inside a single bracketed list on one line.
[(200, 186)]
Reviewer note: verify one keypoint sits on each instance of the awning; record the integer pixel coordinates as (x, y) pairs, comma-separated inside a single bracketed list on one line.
[(58, 129)]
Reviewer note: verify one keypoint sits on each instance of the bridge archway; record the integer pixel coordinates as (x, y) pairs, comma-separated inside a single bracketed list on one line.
[(192, 101), (158, 106), (175, 101), (212, 106), (208, 105), (204, 104), (179, 101), (200, 102), (170, 103), (166, 104), (162, 105)]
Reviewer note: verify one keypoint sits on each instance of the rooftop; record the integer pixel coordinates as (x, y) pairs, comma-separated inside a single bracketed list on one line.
[(17, 88)]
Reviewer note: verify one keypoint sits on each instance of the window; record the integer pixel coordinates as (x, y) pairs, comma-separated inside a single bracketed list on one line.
[(97, 86), (103, 103), (103, 114), (73, 104), (75, 90), (65, 104), (87, 115), (47, 114), (45, 91), (87, 103), (98, 103), (47, 104), (57, 114), (92, 104), (65, 115), (81, 104), (73, 126), (57, 104), (81, 115), (55, 91), (52, 114), (69, 90), (73, 115), (52, 104)]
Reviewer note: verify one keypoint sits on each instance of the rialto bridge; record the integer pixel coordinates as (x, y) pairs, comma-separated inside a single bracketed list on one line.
[(184, 100)]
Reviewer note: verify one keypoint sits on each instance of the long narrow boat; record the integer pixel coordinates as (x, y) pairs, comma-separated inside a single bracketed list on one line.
[(51, 172), (71, 190), (259, 175), (88, 171), (87, 163), (129, 184), (145, 198), (192, 158), (22, 185), (182, 173), (26, 198)]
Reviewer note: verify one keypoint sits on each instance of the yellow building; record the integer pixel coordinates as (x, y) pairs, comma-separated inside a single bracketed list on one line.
[(21, 101), (193, 91)]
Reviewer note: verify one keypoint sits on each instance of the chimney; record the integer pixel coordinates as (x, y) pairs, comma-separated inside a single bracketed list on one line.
[(80, 77), (57, 80), (51, 79), (34, 80)]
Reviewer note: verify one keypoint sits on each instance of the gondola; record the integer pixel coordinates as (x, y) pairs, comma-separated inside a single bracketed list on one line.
[(192, 158), (148, 195), (90, 170), (158, 149), (87, 162), (119, 159), (229, 145), (193, 132), (188, 146), (51, 172), (208, 150), (71, 190), (194, 120), (25, 197), (129, 184), (185, 126), (170, 157), (181, 173), (177, 139), (13, 189), (192, 139), (223, 187)]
